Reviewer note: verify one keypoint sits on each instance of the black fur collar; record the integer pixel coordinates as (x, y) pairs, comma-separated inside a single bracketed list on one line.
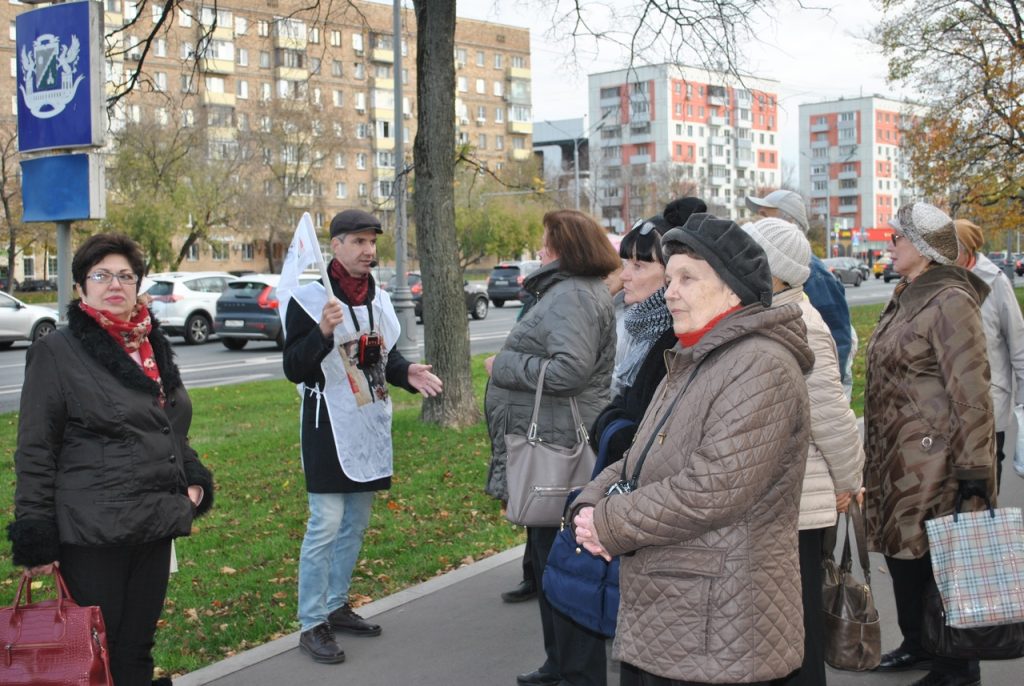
[(102, 347)]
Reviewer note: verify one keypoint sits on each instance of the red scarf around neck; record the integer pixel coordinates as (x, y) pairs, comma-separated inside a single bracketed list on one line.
[(688, 340), (355, 288), (132, 335)]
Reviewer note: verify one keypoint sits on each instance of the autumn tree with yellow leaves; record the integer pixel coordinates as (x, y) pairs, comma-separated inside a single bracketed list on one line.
[(965, 60)]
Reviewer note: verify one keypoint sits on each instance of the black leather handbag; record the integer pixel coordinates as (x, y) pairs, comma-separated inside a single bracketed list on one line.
[(853, 635)]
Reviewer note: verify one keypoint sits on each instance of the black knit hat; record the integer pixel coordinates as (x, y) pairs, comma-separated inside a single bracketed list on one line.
[(736, 257), (350, 221), (679, 210)]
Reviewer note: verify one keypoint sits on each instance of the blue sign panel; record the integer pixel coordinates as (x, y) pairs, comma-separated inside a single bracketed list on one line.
[(63, 188), (60, 82)]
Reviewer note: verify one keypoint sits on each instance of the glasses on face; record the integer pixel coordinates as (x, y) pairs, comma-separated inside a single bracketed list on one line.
[(896, 237), (104, 277)]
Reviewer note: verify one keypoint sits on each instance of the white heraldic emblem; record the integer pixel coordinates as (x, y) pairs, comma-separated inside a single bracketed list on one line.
[(49, 75)]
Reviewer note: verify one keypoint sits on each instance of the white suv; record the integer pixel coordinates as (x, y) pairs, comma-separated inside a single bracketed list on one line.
[(185, 302)]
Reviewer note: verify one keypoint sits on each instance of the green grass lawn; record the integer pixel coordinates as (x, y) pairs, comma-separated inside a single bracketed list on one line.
[(236, 587)]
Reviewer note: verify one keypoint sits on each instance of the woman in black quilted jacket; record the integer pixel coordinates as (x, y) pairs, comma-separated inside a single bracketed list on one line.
[(106, 478)]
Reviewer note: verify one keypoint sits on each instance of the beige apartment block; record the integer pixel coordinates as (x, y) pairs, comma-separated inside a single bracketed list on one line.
[(227, 69)]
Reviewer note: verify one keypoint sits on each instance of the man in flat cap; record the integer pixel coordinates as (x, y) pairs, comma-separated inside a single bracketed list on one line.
[(340, 349)]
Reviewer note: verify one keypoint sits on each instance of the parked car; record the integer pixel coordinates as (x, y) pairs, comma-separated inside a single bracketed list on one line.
[(888, 273), (185, 302), (1018, 265), (507, 279), (3, 283), (35, 285), (845, 269), (1006, 262), (476, 296), (21, 322), (248, 311), (878, 268)]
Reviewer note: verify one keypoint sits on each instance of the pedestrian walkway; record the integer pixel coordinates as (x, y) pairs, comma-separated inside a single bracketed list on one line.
[(454, 630)]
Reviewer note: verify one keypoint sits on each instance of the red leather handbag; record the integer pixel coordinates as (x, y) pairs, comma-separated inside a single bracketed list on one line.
[(52, 642)]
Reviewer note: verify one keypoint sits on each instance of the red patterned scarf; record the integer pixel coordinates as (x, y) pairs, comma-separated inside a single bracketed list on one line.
[(355, 288), (132, 335)]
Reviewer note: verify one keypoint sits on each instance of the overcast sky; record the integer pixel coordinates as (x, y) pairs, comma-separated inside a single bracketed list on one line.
[(815, 55)]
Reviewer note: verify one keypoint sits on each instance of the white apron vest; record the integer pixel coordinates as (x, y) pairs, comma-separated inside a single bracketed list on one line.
[(358, 402)]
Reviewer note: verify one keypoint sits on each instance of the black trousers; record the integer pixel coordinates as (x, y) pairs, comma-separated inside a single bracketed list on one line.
[(812, 671), (648, 679), (573, 652), (1000, 443), (528, 564), (910, 578), (129, 584)]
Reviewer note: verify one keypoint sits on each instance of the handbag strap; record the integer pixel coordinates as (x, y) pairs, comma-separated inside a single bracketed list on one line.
[(664, 418), (531, 435), (854, 515), (25, 587)]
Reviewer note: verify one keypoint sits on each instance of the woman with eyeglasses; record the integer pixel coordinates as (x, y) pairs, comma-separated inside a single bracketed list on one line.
[(929, 427), (106, 478)]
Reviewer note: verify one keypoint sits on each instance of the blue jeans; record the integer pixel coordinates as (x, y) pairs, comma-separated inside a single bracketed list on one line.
[(330, 550)]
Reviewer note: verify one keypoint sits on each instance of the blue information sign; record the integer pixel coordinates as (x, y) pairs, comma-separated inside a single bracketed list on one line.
[(60, 76)]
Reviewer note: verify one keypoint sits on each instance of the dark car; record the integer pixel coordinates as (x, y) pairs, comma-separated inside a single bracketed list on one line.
[(888, 274), (35, 285), (845, 269), (247, 310), (507, 279), (476, 296)]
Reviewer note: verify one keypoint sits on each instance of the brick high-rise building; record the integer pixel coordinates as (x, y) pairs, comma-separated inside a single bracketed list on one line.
[(226, 69), (665, 130), (853, 170)]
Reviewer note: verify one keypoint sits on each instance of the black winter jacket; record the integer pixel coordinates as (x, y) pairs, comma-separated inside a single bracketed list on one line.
[(99, 461), (304, 349), (631, 402)]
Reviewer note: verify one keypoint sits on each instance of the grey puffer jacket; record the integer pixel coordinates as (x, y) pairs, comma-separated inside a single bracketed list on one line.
[(572, 324), (709, 578)]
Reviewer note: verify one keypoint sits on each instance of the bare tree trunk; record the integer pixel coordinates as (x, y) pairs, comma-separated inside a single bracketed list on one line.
[(444, 316)]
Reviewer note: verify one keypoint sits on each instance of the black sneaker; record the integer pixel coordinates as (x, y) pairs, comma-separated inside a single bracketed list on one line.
[(319, 644), (344, 619)]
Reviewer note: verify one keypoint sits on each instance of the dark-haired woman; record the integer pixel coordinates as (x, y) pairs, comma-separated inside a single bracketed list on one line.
[(572, 326), (106, 478)]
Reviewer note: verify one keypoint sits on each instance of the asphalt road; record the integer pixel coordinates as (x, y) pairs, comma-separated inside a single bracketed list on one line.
[(214, 365)]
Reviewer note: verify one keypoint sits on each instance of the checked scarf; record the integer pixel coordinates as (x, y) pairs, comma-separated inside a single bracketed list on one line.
[(644, 323)]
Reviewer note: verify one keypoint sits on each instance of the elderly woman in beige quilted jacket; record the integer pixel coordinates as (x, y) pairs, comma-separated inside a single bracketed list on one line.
[(929, 426), (835, 459), (707, 529)]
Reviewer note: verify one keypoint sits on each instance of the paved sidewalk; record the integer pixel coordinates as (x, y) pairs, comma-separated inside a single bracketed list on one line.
[(454, 630)]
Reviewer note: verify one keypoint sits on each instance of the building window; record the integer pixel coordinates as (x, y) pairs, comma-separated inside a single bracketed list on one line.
[(360, 160), (219, 250), (362, 190), (243, 57), (192, 254), (337, 98), (518, 62), (160, 81), (314, 35), (357, 43), (481, 141), (499, 89), (263, 28), (481, 59), (160, 47), (184, 16), (481, 87), (340, 190), (359, 71), (241, 26), (335, 39), (242, 89), (499, 142), (248, 251), (264, 59), (499, 61), (463, 84), (499, 115)]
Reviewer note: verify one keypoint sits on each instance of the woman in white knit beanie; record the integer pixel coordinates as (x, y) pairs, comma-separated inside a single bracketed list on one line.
[(835, 458)]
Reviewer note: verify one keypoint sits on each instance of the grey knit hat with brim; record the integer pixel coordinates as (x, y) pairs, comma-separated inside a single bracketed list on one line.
[(929, 229), (736, 257)]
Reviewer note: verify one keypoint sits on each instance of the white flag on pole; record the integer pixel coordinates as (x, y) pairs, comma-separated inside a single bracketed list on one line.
[(303, 253)]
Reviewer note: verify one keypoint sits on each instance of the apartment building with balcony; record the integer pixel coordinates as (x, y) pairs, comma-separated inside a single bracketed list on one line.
[(228, 68), (666, 130), (853, 169)]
